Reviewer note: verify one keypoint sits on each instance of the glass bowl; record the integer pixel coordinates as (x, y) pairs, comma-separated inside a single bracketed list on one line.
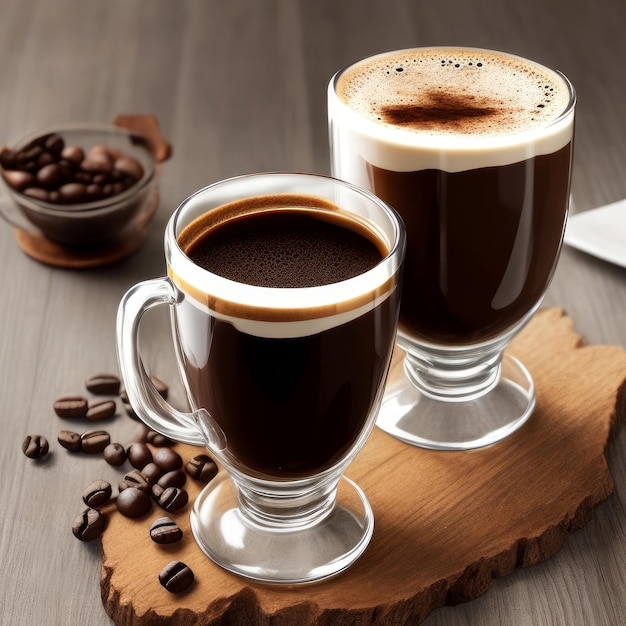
[(83, 223)]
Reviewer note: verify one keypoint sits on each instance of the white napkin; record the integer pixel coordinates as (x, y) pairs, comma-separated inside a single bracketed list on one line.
[(601, 232)]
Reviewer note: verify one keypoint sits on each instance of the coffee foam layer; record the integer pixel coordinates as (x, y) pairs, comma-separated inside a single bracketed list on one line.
[(289, 329), (450, 109), (278, 312)]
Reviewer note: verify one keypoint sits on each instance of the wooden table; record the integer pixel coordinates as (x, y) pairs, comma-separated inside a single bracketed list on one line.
[(239, 86)]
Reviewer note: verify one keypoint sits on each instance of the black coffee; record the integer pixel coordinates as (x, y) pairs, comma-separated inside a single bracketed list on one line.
[(480, 251), (284, 249), (290, 397), (473, 149)]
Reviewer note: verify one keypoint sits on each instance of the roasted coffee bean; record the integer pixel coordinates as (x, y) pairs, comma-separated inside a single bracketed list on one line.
[(89, 524), (50, 175), (201, 467), (73, 154), (135, 479), (165, 530), (35, 446), (19, 179), (101, 410), (133, 502), (70, 440), (37, 194), (115, 454), (129, 166), (152, 472), (175, 478), (73, 193), (167, 459), (71, 406), (54, 144), (139, 455), (176, 577), (129, 409), (94, 441), (103, 384), (97, 493), (172, 499), (158, 440), (97, 160)]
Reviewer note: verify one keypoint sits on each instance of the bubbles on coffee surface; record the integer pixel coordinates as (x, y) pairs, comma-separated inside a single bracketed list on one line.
[(284, 249), (454, 91)]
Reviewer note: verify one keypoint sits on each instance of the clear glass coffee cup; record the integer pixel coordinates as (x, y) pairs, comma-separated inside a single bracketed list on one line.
[(283, 354), (473, 148)]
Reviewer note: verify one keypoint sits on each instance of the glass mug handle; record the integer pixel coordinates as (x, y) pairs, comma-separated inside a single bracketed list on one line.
[(196, 428)]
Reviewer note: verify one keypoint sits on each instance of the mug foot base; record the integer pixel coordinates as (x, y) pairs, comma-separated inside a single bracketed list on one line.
[(288, 556), (419, 420)]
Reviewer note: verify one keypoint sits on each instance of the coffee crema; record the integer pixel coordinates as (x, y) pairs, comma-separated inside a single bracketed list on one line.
[(481, 108), (319, 248)]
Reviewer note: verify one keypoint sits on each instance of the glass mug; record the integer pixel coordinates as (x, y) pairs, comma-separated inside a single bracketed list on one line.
[(284, 381), (473, 148)]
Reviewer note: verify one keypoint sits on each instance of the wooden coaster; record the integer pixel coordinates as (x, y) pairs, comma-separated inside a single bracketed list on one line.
[(447, 523), (42, 249)]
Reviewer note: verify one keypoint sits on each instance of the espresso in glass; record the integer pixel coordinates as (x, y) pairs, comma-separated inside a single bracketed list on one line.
[(284, 293), (473, 148), (291, 399)]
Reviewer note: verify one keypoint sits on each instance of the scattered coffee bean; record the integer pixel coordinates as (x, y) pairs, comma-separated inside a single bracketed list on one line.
[(167, 459), (152, 472), (69, 440), (35, 446), (175, 478), (165, 531), (94, 441), (97, 493), (71, 406), (101, 410), (158, 440), (62, 174), (172, 499), (129, 409), (156, 490), (133, 502), (176, 577), (115, 454), (139, 455), (89, 525), (103, 384), (135, 479), (201, 467)]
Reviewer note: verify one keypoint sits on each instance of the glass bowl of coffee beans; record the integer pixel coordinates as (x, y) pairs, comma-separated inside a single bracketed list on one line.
[(80, 185)]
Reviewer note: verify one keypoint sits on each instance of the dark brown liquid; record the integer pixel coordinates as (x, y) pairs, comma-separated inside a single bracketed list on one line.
[(284, 249), (289, 407), (482, 243)]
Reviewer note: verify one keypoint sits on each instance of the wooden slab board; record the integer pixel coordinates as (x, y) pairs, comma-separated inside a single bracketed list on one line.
[(447, 523)]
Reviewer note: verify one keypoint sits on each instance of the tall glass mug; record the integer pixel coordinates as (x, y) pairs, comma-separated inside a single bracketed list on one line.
[(473, 148), (284, 296)]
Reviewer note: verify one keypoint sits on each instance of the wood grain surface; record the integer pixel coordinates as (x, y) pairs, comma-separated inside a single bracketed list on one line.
[(240, 86)]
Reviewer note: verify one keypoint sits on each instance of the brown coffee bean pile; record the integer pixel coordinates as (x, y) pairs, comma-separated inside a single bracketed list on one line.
[(157, 477), (47, 169)]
